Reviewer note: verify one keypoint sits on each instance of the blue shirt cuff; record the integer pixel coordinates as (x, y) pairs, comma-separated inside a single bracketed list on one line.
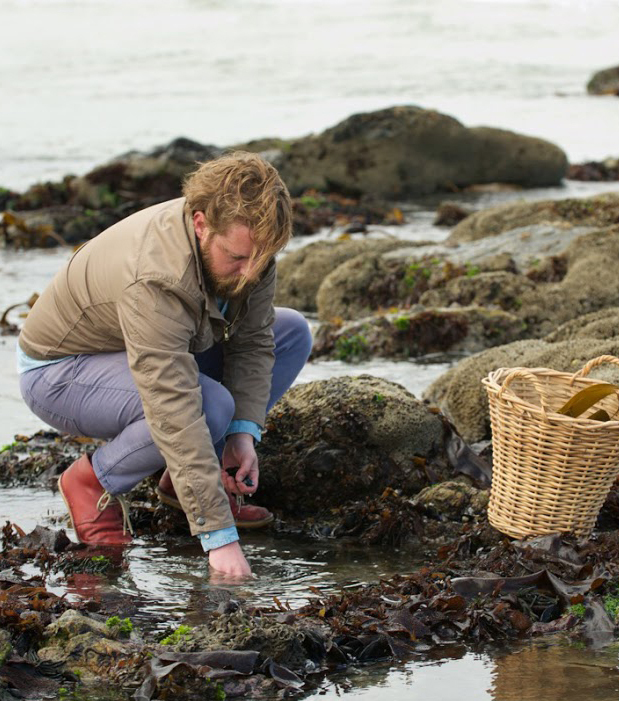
[(216, 539), (244, 426)]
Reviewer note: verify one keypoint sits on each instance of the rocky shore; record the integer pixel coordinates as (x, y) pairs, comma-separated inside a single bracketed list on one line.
[(524, 284), (350, 174)]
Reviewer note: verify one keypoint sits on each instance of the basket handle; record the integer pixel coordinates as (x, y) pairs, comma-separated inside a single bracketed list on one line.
[(593, 364), (522, 372)]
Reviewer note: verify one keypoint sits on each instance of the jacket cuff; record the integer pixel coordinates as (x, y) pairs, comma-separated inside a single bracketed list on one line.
[(244, 426), (217, 539)]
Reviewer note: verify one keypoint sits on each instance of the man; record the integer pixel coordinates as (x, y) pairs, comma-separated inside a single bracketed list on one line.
[(160, 334)]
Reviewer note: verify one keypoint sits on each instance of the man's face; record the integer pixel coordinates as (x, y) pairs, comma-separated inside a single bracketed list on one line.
[(226, 257)]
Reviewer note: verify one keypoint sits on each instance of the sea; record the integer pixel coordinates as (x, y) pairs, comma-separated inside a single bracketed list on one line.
[(83, 81)]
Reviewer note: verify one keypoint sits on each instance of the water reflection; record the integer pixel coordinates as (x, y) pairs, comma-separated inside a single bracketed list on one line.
[(552, 671), (556, 672)]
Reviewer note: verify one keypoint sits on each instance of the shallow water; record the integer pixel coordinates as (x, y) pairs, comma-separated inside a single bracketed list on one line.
[(164, 583), (283, 567)]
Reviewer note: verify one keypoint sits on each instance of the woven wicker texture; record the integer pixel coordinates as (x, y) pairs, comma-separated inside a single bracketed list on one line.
[(551, 473)]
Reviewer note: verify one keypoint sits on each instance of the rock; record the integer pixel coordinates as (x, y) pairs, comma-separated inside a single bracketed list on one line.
[(499, 289), (242, 631), (376, 280), (155, 175), (83, 644), (406, 151), (344, 439), (272, 149), (414, 333), (77, 209), (300, 273), (589, 284), (468, 273), (496, 262), (453, 500), (603, 324), (71, 624), (450, 213), (518, 250), (42, 195), (461, 396), (594, 171), (41, 537), (601, 210), (359, 286), (314, 210), (604, 82), (578, 277)]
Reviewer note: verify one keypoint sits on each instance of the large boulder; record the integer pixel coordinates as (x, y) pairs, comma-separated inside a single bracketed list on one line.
[(461, 396), (345, 439), (482, 271), (381, 280), (407, 151), (601, 210), (604, 82), (545, 275)]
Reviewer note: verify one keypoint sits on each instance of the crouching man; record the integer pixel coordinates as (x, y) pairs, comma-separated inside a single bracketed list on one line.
[(160, 335)]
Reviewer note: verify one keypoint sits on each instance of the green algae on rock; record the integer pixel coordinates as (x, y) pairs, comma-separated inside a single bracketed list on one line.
[(411, 333)]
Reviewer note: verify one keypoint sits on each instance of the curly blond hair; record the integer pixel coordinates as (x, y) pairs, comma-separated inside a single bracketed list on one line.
[(242, 187)]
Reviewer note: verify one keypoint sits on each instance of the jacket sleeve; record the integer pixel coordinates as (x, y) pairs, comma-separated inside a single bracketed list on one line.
[(249, 354), (157, 322)]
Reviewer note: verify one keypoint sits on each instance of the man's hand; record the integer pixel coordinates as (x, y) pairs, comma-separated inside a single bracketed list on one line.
[(229, 559), (240, 451)]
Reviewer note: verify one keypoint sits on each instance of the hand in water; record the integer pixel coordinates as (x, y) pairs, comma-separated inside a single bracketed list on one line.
[(229, 561)]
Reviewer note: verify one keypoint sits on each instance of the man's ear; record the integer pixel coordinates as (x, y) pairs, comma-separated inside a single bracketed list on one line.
[(199, 225)]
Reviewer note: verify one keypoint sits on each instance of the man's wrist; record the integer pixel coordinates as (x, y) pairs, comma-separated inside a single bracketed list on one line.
[(245, 426), (217, 539)]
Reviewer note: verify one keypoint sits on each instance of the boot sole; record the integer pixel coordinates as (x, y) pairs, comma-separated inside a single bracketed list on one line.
[(246, 525)]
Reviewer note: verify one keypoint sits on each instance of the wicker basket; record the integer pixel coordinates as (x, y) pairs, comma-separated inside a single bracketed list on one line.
[(551, 472)]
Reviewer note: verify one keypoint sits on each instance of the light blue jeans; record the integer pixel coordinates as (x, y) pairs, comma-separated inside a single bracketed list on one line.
[(94, 395)]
